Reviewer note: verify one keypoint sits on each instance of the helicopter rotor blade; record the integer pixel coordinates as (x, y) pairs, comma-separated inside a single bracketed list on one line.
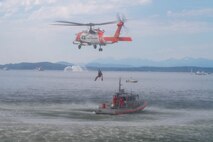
[(106, 23), (71, 23), (66, 25), (84, 24)]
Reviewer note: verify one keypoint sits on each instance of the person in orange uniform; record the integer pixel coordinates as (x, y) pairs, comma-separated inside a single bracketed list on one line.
[(114, 101), (121, 102)]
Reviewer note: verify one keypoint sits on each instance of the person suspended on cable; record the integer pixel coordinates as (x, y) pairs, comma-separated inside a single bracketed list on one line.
[(100, 74)]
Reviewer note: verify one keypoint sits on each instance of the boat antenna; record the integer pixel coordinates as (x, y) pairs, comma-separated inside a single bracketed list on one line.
[(119, 84)]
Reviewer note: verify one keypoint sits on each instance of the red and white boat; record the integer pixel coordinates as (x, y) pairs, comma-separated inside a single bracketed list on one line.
[(122, 103)]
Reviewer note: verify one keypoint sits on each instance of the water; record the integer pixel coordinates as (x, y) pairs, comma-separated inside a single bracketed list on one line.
[(53, 106)]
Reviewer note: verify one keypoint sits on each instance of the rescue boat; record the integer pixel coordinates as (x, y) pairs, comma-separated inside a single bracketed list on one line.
[(122, 103)]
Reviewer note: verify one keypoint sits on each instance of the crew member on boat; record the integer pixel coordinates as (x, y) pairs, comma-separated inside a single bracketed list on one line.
[(121, 102), (114, 100)]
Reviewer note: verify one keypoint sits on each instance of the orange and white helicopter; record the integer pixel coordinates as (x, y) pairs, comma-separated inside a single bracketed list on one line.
[(95, 36)]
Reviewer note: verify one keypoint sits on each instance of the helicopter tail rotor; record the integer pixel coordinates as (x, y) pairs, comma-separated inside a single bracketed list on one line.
[(121, 18)]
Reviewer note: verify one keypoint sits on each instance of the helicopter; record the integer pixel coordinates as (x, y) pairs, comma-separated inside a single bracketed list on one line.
[(95, 36)]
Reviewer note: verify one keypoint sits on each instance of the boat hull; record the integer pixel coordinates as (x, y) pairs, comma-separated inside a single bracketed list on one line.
[(113, 111)]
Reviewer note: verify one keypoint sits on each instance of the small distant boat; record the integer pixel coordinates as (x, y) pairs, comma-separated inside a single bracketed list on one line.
[(5, 69), (131, 81), (39, 69), (122, 103), (201, 73)]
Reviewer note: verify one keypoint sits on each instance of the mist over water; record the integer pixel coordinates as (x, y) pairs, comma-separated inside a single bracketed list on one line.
[(58, 106)]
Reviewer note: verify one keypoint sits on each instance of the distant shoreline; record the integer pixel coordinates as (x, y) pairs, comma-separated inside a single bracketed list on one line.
[(156, 69), (58, 66)]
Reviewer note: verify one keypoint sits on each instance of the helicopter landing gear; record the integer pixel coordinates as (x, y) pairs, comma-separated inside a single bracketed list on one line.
[(79, 46), (95, 46), (100, 49)]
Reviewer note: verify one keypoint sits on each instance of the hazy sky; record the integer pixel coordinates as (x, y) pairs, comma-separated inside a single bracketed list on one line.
[(160, 29)]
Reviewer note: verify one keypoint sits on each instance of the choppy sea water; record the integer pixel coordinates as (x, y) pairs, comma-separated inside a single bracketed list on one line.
[(53, 106)]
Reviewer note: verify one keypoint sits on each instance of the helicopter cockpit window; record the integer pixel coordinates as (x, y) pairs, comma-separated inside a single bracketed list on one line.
[(102, 30)]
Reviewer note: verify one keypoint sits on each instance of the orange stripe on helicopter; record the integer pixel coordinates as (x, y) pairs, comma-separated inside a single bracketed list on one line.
[(114, 39)]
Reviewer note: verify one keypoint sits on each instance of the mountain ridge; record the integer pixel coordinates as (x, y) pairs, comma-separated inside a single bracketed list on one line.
[(33, 66), (138, 62), (128, 64)]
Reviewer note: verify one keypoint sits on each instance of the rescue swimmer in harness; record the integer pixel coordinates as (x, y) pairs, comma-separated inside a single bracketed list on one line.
[(100, 74)]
